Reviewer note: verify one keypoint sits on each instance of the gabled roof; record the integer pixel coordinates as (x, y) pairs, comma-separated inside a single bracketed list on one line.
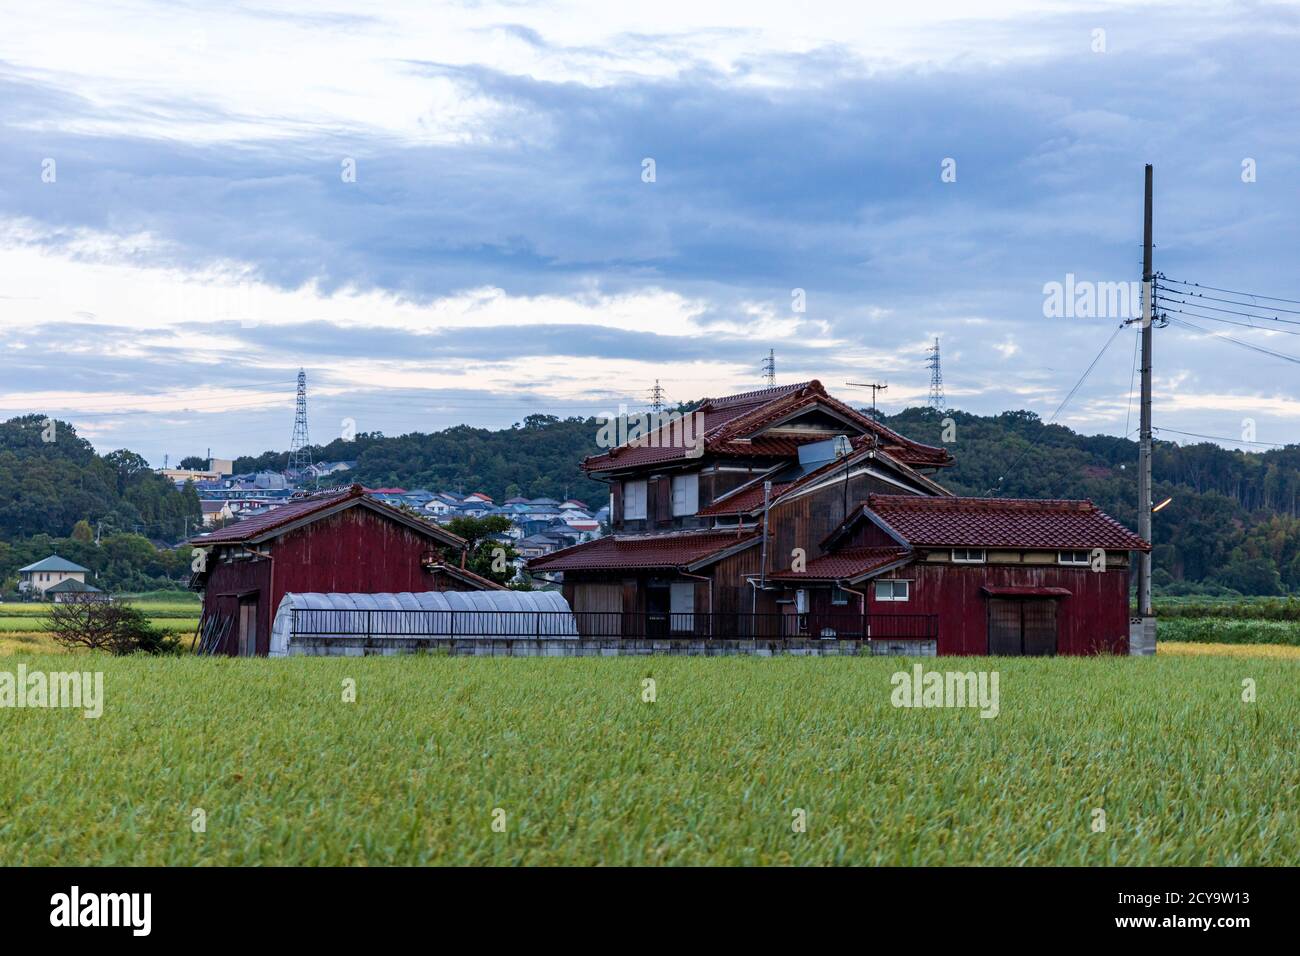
[(1026, 523), (54, 563), (295, 513), (748, 498), (848, 565), (72, 586), (687, 550), (733, 426)]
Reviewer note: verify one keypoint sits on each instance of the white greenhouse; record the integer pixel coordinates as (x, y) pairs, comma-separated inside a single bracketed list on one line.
[(428, 614)]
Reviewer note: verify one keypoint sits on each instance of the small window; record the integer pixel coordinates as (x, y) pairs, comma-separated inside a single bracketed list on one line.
[(634, 500), (1074, 557), (967, 556), (839, 596), (686, 494), (891, 590)]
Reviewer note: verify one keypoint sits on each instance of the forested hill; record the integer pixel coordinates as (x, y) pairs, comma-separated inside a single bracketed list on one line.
[(1233, 518), (50, 478), (536, 458)]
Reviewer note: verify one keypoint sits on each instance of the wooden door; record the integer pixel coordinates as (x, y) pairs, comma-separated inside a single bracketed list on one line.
[(248, 627), (1022, 626), (1004, 627), (1038, 628)]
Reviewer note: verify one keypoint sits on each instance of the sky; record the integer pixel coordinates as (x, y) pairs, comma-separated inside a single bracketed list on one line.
[(472, 212)]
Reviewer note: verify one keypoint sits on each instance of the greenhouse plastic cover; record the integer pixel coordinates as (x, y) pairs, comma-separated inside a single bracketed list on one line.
[(478, 614)]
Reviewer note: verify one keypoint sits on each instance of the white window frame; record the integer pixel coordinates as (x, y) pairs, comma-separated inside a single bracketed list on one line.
[(634, 503), (1064, 557), (686, 494), (893, 583), (982, 559)]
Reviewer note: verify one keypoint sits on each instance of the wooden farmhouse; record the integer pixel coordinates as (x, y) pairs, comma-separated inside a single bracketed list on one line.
[(342, 542), (784, 513)]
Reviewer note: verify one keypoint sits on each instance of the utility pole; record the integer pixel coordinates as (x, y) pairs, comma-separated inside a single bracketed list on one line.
[(1147, 643)]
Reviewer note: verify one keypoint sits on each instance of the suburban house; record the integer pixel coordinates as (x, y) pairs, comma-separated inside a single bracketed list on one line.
[(72, 591), (336, 542), (214, 511), (49, 572), (772, 514)]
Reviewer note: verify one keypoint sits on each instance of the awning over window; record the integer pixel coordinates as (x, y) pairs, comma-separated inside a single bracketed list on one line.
[(1025, 592)]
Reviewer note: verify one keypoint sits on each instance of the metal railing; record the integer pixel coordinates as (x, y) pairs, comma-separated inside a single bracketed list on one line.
[(330, 622)]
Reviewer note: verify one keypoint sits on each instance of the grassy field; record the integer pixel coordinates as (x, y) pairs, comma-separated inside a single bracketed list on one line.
[(1218, 630), (21, 631), (713, 772)]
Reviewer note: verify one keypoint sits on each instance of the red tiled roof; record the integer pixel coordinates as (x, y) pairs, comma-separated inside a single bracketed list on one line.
[(846, 565), (642, 551), (266, 525), (1002, 523), (724, 423)]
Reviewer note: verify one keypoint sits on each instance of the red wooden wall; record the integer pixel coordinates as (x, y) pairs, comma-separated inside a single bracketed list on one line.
[(1092, 619), (356, 550)]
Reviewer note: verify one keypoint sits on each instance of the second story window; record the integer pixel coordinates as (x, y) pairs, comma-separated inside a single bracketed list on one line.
[(686, 494), (1074, 557), (633, 500), (967, 556)]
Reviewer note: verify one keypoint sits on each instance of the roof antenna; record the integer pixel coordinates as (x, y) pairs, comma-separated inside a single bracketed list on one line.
[(875, 387)]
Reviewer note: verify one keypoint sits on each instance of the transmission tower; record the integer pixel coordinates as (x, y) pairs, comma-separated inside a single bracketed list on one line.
[(769, 367), (936, 378), (299, 459), (657, 398)]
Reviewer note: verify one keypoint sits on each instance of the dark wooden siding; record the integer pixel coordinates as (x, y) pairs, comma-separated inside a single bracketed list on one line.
[(1093, 619), (356, 550)]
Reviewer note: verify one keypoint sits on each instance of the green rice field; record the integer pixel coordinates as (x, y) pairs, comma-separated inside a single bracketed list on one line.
[(21, 629), (574, 767)]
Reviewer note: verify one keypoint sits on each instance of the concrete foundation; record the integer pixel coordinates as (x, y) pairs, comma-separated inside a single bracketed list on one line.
[(531, 647)]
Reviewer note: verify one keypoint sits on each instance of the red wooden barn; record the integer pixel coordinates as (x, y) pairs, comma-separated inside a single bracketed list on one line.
[(335, 542), (996, 576)]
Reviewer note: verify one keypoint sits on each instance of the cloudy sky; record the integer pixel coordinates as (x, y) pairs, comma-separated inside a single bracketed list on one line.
[(446, 213)]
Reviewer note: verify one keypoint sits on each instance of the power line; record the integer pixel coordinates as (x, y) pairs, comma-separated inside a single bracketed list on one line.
[(1132, 379), (1065, 401), (1255, 295), (1241, 441), (1228, 338), (1243, 325), (1249, 315), (1249, 305)]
